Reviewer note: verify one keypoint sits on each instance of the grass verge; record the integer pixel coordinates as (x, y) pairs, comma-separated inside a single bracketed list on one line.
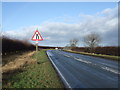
[(40, 75), (117, 58)]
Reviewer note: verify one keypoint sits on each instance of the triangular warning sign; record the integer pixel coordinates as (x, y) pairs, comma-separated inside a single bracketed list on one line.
[(37, 36)]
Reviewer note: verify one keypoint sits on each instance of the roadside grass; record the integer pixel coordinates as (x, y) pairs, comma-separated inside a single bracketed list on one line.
[(117, 58), (39, 75)]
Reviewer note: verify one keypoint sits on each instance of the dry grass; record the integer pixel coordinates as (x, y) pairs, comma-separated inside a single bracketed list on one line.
[(39, 75), (19, 62)]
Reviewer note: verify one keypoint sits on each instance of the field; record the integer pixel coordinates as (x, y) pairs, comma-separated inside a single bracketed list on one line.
[(39, 75)]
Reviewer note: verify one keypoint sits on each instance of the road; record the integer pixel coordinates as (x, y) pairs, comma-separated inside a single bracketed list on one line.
[(82, 71)]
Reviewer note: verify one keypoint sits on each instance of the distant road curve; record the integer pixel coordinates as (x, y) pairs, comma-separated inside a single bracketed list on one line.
[(82, 71)]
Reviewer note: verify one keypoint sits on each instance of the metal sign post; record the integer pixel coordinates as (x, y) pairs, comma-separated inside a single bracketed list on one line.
[(36, 46)]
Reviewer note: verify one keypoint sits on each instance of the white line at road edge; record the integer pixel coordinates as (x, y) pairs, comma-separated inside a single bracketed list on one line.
[(64, 80)]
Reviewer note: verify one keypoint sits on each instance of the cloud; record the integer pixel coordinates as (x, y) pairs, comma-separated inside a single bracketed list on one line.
[(57, 33)]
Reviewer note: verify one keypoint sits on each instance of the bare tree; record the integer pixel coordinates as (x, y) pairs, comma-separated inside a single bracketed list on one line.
[(92, 40), (67, 47), (73, 43)]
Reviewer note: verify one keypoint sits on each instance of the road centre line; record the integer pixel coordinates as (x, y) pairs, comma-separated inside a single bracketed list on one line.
[(88, 62)]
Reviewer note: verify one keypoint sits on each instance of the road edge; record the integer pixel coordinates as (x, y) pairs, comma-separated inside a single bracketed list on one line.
[(59, 73), (96, 55)]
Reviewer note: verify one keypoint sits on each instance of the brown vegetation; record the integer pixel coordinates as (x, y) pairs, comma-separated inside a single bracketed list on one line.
[(20, 61), (108, 50), (10, 45), (17, 66)]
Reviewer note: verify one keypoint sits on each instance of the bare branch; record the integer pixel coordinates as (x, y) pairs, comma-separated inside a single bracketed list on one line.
[(92, 40), (74, 42)]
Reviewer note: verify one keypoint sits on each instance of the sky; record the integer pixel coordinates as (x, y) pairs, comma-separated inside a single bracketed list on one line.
[(59, 22), (0, 15)]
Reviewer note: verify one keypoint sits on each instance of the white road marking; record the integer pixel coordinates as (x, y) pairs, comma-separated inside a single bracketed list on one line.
[(50, 54), (84, 61), (58, 71), (94, 64), (88, 62), (105, 68), (111, 70), (66, 55)]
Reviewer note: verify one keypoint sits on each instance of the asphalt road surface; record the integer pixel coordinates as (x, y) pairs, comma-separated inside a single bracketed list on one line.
[(82, 71)]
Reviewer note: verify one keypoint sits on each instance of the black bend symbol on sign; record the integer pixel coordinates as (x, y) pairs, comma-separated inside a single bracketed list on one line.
[(37, 36)]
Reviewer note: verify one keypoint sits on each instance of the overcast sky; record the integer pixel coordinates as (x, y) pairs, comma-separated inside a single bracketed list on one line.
[(60, 22)]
